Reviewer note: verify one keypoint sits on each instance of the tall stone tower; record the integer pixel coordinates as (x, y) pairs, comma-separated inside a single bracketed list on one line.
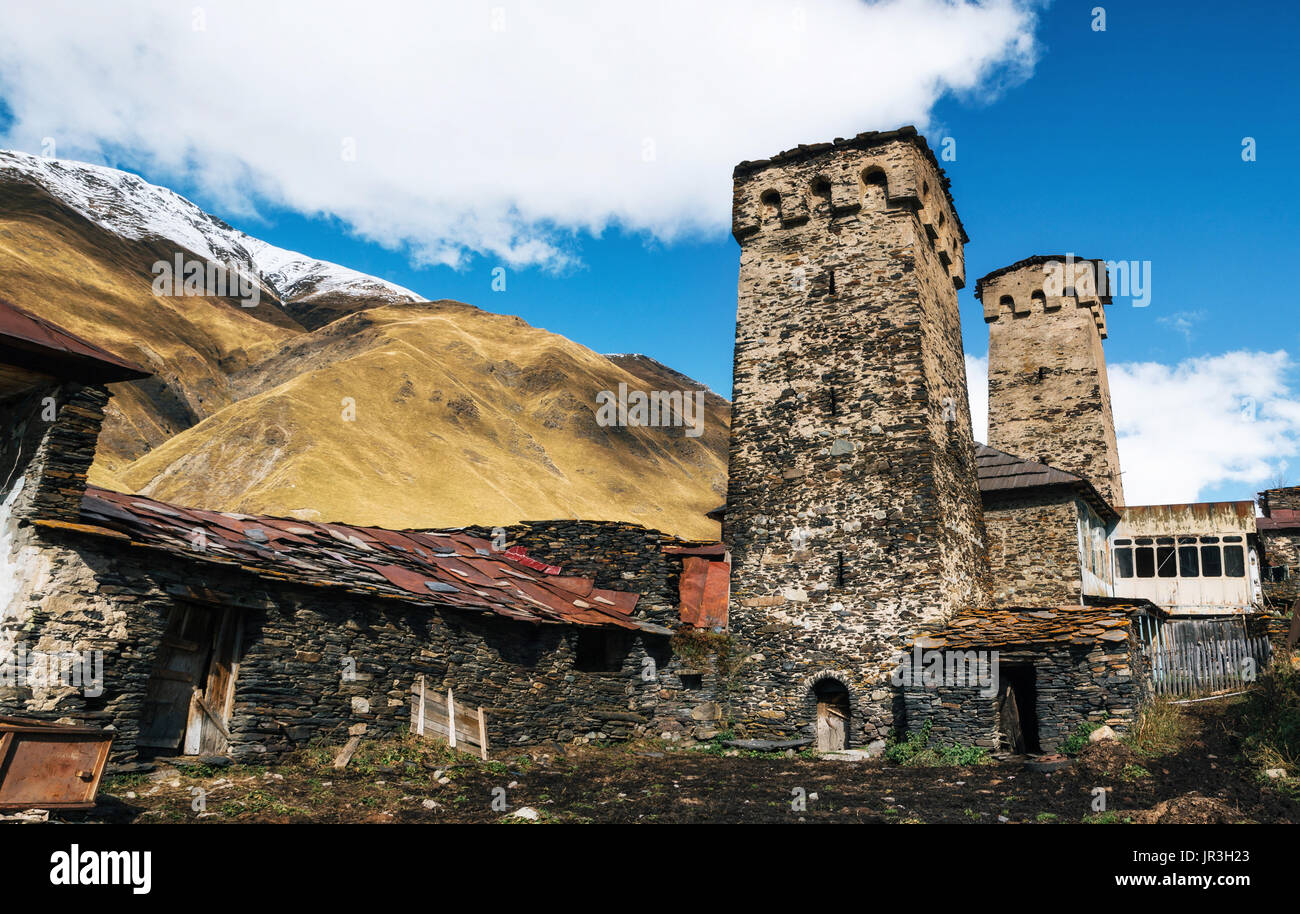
[(1049, 398), (853, 514)]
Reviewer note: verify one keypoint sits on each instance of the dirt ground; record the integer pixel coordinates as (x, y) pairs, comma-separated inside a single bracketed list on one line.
[(1202, 781)]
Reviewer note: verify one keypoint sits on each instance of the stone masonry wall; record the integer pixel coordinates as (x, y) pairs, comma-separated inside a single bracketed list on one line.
[(1105, 685), (50, 444), (1049, 397), (1281, 550), (1034, 549), (852, 511), (617, 556), (93, 594)]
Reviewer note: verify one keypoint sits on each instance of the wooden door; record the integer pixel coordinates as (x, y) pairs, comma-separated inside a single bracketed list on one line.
[(1009, 720), (207, 733), (189, 697), (182, 663), (832, 725)]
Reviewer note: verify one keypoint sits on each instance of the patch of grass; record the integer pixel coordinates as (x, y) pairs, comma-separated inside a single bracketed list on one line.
[(1162, 729), (1133, 772), (915, 750), (1270, 719), (1073, 744), (1046, 817), (1109, 817)]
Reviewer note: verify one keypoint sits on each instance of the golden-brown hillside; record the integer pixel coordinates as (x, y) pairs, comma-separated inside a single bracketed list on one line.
[(419, 414)]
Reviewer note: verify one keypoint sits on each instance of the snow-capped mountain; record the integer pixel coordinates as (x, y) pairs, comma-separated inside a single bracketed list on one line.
[(133, 208)]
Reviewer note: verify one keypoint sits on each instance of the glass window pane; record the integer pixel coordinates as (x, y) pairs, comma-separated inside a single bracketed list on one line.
[(1234, 562), (1188, 565), (1124, 562), (1146, 561), (1211, 563), (1166, 567)]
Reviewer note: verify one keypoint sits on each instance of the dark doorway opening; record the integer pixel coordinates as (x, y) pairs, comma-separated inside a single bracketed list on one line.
[(190, 694), (832, 731), (1018, 708)]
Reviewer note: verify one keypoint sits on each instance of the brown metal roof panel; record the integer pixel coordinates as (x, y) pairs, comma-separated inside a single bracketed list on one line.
[(26, 337)]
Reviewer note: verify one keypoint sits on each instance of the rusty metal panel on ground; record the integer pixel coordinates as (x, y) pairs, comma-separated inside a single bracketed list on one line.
[(50, 766)]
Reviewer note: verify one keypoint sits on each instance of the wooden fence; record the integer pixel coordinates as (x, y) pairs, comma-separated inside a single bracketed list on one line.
[(438, 716), (1198, 658)]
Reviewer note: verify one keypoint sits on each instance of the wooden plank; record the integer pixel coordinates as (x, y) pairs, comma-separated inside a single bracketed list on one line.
[(482, 733), (349, 749), (451, 719)]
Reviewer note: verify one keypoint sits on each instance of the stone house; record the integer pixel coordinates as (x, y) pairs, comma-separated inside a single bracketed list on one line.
[(211, 633)]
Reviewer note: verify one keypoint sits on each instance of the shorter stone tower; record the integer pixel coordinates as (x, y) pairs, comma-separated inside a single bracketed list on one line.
[(1049, 399)]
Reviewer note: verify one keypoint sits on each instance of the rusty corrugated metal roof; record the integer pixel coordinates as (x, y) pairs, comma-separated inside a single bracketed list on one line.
[(39, 345), (446, 568), (1190, 517), (1279, 519)]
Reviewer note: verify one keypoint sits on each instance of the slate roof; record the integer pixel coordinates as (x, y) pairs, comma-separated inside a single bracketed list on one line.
[(34, 343), (443, 568), (1058, 625), (997, 471)]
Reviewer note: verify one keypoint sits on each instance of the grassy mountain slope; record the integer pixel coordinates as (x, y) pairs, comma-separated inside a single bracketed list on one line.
[(438, 414)]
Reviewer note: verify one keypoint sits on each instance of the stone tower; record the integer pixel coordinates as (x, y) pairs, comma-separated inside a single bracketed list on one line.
[(853, 515), (1049, 399)]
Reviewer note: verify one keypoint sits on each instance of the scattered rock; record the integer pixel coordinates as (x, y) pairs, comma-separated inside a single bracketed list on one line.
[(525, 812), (1101, 733)]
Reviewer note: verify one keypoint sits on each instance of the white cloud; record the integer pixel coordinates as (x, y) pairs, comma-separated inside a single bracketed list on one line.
[(977, 386), (1223, 420), (474, 138), (1228, 419)]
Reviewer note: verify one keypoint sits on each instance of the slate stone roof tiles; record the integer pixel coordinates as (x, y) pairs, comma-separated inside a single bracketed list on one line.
[(445, 568)]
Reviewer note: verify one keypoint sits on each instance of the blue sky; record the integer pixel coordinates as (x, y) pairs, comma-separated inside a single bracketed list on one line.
[(1123, 144)]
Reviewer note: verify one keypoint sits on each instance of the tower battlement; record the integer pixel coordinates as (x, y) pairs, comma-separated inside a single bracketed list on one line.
[(1045, 284), (827, 182)]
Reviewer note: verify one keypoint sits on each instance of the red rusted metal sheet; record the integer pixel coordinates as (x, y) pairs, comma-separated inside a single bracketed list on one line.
[(714, 549), (621, 601), (35, 343), (717, 594), (50, 766), (690, 589)]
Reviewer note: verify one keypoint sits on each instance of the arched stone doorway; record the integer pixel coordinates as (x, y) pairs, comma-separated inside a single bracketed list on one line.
[(832, 727)]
